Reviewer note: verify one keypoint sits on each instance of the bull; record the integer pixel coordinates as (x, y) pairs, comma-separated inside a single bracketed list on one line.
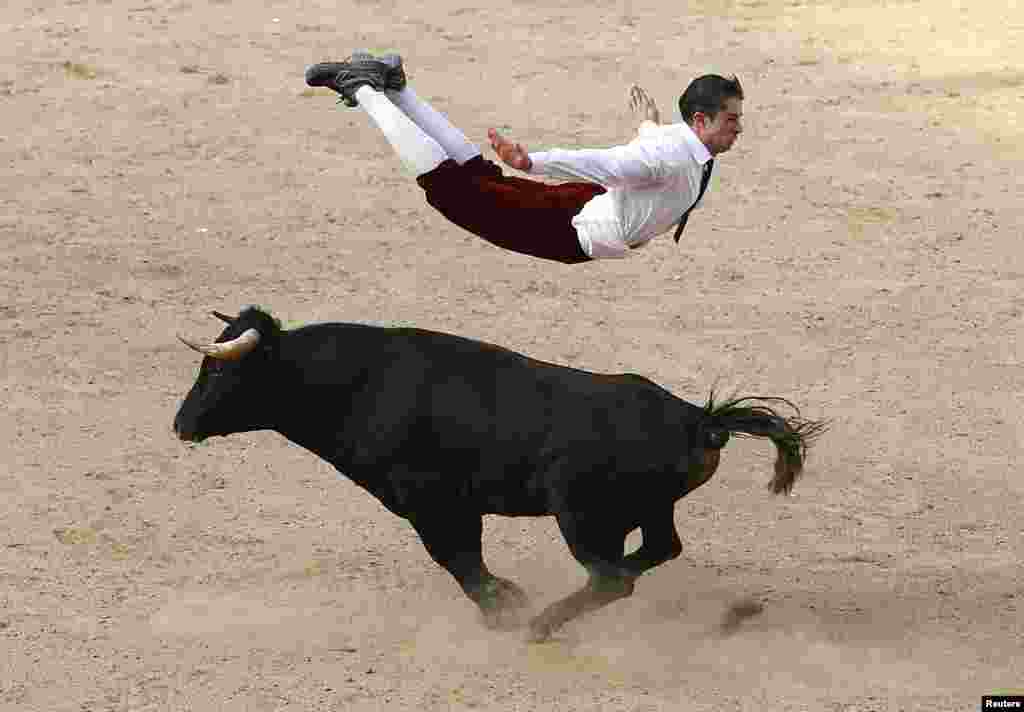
[(444, 429)]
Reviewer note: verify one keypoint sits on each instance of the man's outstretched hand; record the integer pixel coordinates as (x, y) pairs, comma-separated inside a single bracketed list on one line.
[(642, 103), (511, 154)]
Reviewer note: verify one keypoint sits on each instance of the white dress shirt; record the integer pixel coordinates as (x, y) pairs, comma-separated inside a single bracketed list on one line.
[(650, 183)]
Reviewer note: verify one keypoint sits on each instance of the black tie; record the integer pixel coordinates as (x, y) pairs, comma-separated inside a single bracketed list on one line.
[(704, 180)]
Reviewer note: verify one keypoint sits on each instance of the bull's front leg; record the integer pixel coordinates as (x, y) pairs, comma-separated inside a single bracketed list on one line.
[(453, 541), (502, 603)]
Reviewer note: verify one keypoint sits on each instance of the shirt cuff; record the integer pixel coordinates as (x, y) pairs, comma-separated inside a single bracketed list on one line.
[(537, 162)]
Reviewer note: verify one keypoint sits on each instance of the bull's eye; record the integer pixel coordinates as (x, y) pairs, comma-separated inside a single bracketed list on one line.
[(716, 439), (212, 372), (211, 375)]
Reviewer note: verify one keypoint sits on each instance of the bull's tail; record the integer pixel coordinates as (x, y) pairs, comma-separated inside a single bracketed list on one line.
[(758, 417)]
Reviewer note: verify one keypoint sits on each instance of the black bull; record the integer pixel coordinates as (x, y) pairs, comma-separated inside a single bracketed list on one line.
[(443, 430)]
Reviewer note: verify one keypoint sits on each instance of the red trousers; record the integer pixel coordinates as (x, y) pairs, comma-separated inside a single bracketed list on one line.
[(517, 214)]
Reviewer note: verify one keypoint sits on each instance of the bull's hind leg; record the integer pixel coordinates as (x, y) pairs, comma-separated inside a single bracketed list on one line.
[(598, 546), (453, 541), (661, 540)]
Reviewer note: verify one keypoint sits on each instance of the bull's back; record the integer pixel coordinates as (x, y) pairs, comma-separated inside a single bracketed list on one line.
[(516, 411)]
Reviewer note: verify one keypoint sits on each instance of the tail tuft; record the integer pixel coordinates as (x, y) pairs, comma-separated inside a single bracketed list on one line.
[(755, 416)]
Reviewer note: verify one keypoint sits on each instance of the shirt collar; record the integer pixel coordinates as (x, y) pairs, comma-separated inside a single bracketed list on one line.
[(698, 149)]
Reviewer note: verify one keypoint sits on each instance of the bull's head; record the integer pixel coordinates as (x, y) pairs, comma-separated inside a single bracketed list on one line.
[(230, 394)]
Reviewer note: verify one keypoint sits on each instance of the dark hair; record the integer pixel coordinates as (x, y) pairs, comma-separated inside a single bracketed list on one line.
[(708, 94)]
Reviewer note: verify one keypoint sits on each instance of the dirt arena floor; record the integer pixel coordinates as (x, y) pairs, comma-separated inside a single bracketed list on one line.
[(859, 252)]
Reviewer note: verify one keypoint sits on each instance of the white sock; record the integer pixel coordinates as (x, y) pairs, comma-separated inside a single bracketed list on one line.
[(419, 152), (435, 124)]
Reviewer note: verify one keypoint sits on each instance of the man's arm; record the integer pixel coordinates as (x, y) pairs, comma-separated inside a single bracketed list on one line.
[(632, 164), (610, 167)]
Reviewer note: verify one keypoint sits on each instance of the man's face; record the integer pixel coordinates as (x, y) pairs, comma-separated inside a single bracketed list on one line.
[(720, 134)]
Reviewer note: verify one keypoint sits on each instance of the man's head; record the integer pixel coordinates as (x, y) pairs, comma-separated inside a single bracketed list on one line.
[(713, 106)]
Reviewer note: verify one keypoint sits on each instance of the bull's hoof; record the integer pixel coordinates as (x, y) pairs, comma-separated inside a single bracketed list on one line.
[(539, 632), (505, 619), (504, 605)]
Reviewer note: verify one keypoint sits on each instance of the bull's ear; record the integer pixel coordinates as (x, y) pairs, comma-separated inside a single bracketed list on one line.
[(223, 317)]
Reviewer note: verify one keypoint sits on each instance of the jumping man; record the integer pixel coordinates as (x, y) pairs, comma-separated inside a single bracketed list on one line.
[(614, 199)]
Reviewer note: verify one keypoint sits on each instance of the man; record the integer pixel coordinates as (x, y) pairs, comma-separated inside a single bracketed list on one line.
[(615, 199)]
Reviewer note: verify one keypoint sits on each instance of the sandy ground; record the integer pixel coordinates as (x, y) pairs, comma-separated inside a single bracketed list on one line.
[(859, 253)]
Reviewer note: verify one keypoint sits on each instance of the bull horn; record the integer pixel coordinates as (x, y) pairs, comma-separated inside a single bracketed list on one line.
[(223, 317), (228, 350)]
